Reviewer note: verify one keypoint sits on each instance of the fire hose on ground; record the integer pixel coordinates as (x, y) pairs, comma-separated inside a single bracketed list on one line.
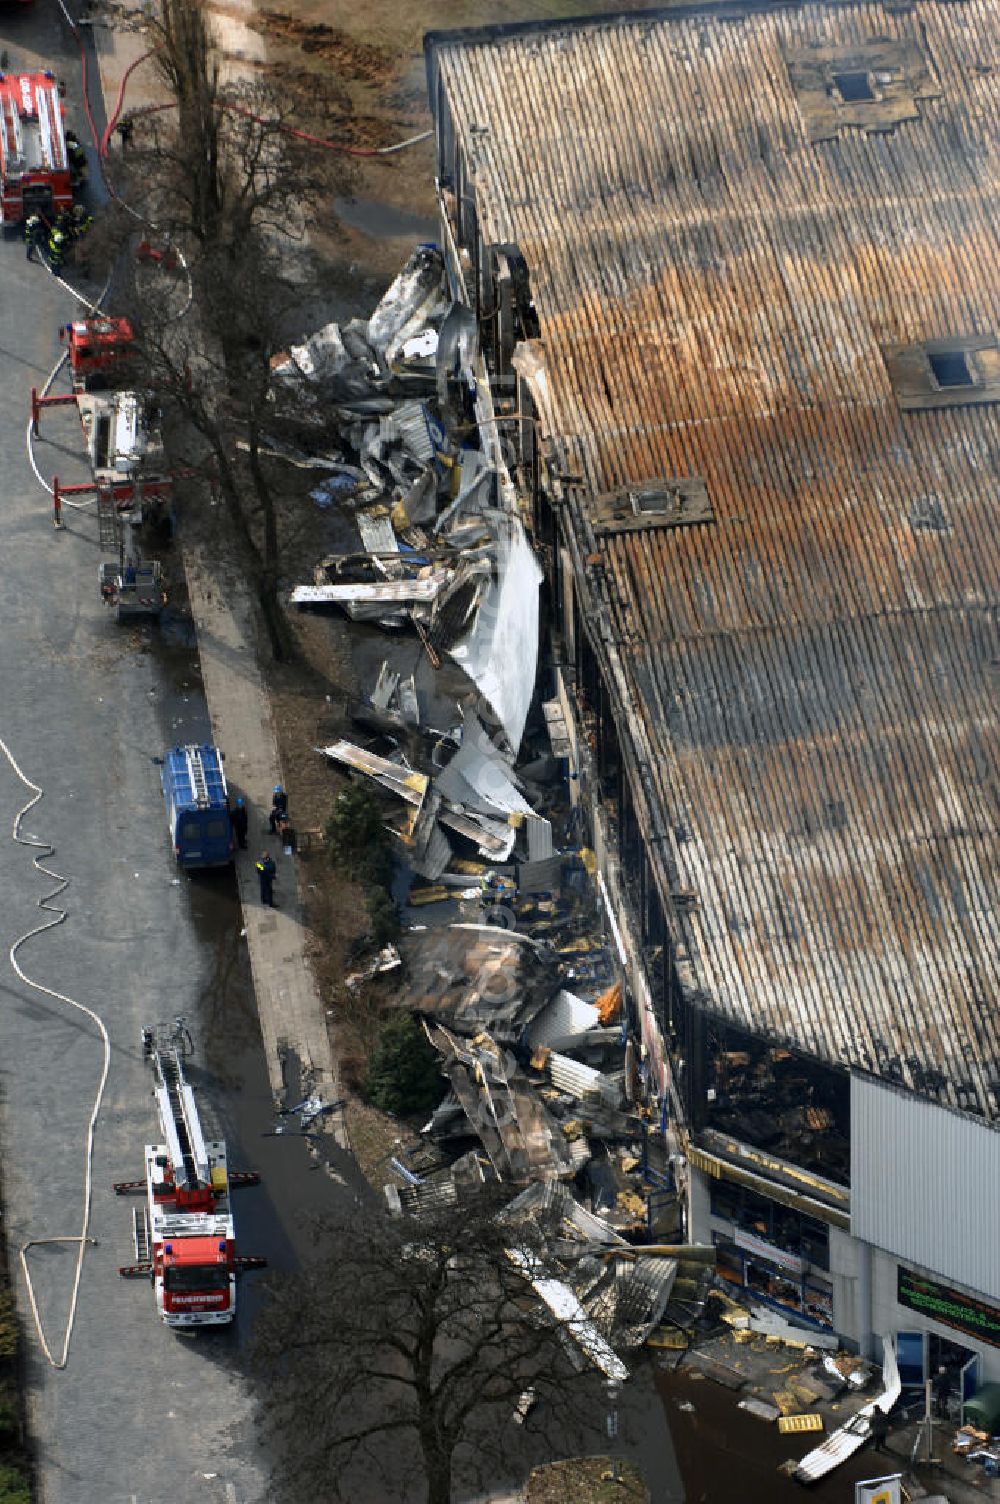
[(44, 850)]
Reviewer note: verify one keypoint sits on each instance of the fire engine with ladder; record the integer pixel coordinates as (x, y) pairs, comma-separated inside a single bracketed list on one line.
[(125, 449), (34, 162), (184, 1234)]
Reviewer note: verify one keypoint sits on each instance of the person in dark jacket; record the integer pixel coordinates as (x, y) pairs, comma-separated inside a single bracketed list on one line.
[(77, 160), (238, 816), (279, 807), (879, 1429), (266, 872), (942, 1392)]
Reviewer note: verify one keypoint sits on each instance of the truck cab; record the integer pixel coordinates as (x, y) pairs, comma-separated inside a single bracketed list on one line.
[(197, 804), (101, 351), (193, 1238)]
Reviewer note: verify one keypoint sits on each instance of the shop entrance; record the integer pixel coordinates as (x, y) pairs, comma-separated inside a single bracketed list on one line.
[(952, 1368)]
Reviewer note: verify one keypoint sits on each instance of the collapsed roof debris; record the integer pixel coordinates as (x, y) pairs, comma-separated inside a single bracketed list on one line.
[(520, 1136), (478, 979), (565, 1021), (568, 1311), (433, 546), (438, 550), (475, 795), (623, 1290)]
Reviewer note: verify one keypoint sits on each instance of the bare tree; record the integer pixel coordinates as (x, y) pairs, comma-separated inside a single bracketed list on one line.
[(411, 1340), (229, 158), (211, 372), (222, 178)]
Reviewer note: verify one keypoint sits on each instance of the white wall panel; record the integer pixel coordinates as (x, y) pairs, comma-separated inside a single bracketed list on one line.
[(925, 1185)]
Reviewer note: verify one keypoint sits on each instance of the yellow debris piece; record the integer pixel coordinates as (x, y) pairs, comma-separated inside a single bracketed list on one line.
[(790, 1424), (399, 519), (786, 1401), (418, 896), (668, 1336)]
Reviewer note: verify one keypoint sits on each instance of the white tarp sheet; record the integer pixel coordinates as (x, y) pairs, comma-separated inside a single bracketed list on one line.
[(479, 778), (852, 1436), (500, 654)]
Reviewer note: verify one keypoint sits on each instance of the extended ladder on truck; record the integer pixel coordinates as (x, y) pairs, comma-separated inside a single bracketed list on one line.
[(125, 450), (109, 525), (184, 1238)]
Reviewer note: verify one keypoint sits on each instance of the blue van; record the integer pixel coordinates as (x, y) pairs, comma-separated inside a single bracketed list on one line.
[(197, 800)]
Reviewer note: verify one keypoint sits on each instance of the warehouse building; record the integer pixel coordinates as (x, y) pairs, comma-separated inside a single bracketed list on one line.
[(735, 275)]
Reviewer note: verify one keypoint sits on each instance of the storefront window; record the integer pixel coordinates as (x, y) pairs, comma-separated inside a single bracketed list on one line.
[(790, 1288), (805, 1237)]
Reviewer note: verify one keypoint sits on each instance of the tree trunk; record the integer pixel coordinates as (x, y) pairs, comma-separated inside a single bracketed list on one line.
[(437, 1466), (274, 616)]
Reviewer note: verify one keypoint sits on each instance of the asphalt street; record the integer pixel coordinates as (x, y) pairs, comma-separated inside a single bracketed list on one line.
[(139, 1416)]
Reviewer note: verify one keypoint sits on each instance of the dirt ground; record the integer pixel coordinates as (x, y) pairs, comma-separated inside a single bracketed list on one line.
[(376, 50), (586, 1481)]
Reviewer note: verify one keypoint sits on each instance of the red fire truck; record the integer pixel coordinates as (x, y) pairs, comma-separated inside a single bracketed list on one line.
[(100, 352), (34, 164), (184, 1235)]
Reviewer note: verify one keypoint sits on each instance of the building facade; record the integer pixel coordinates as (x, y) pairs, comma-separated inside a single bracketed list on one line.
[(734, 276)]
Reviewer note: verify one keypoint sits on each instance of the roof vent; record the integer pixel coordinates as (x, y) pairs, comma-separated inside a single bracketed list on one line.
[(873, 86), (656, 503), (959, 372)]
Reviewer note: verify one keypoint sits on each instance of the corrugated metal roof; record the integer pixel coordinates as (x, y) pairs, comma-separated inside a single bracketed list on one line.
[(806, 685), (643, 1287)]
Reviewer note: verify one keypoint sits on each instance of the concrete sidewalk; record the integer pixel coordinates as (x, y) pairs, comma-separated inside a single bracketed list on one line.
[(292, 1015)]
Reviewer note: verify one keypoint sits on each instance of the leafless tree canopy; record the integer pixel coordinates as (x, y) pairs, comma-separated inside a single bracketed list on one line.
[(404, 1352), (228, 159), (221, 177)]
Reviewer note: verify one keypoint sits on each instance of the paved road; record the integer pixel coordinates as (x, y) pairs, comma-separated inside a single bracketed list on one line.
[(139, 1416)]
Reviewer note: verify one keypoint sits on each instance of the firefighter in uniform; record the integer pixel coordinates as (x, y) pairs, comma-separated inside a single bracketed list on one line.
[(77, 160), (34, 234), (79, 221), (57, 248)]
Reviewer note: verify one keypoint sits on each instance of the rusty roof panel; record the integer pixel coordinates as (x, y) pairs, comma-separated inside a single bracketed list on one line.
[(811, 676)]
